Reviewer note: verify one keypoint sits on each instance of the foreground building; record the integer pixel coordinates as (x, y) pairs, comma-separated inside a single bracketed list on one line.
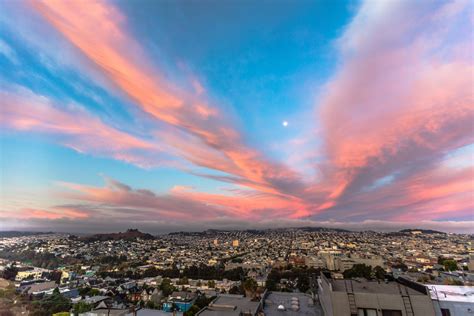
[(290, 304), (232, 305), (372, 298), (450, 300)]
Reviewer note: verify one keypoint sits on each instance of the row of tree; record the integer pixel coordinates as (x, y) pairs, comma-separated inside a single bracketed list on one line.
[(203, 272)]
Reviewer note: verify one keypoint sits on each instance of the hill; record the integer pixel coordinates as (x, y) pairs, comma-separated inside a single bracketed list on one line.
[(423, 231), (130, 234), (14, 233)]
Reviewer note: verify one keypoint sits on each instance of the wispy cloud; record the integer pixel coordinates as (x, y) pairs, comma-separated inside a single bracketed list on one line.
[(401, 100), (72, 126), (209, 139), (398, 105)]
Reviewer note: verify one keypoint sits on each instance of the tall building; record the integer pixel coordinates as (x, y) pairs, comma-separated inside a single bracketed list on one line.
[(235, 243), (216, 242), (372, 298)]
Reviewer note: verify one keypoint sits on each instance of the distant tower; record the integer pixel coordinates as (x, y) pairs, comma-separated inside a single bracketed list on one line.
[(235, 243), (216, 242)]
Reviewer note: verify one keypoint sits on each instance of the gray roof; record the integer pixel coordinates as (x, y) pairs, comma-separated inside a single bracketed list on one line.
[(40, 287), (228, 304), (364, 286), (152, 312), (305, 303)]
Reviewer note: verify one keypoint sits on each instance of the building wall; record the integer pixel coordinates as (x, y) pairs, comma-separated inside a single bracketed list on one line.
[(325, 293), (340, 304), (455, 308), (343, 264), (422, 305)]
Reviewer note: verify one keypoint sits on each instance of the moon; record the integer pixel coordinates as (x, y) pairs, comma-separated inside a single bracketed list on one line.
[(284, 123)]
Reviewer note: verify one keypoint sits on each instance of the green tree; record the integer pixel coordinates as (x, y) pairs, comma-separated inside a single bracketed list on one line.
[(183, 281), (235, 290), (51, 304), (271, 285), (303, 283), (167, 287), (152, 305), (250, 287), (450, 265), (358, 271), (379, 273), (211, 284), (81, 307), (10, 272), (192, 311)]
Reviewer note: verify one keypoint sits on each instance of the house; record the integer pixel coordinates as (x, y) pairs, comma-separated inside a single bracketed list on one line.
[(152, 294), (40, 288), (182, 301)]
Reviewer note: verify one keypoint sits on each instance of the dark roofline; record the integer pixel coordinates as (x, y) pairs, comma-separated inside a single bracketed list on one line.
[(412, 285)]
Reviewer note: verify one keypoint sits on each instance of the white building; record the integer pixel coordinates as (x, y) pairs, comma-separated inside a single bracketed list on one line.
[(452, 300)]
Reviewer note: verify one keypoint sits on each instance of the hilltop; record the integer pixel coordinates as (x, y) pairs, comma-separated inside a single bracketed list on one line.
[(130, 234)]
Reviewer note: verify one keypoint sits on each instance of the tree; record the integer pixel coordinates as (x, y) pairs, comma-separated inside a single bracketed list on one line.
[(450, 265), (379, 273), (10, 272), (183, 281), (400, 266), (271, 285), (250, 287), (235, 290), (152, 305), (211, 284), (303, 284), (52, 304), (358, 271), (81, 307), (166, 287)]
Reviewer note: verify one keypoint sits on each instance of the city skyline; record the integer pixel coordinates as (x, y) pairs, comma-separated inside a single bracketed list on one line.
[(171, 116)]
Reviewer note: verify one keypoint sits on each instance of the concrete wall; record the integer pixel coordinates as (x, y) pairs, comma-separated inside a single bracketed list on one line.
[(455, 308), (324, 293)]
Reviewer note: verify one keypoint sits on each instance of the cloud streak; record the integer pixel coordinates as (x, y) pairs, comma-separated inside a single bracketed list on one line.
[(209, 139), (70, 125), (398, 105), (401, 100)]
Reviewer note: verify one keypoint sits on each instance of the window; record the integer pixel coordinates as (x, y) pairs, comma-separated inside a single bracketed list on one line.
[(445, 312), (391, 312), (366, 312)]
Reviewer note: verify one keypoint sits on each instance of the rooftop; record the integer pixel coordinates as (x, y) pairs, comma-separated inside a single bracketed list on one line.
[(452, 293), (282, 304), (374, 287), (229, 304)]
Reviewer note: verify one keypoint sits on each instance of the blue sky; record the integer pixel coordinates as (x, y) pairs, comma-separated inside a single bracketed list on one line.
[(109, 104)]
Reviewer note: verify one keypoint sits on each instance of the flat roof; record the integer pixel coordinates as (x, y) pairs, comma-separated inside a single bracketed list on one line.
[(228, 304), (452, 293), (306, 304), (364, 286)]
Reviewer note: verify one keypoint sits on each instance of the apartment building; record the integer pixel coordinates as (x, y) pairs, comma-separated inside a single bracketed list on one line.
[(372, 298)]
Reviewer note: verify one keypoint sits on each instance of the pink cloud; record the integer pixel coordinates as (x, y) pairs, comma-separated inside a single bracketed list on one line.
[(401, 100), (50, 214), (99, 32), (71, 126)]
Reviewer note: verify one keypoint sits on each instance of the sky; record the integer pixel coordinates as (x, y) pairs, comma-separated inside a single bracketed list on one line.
[(189, 115)]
